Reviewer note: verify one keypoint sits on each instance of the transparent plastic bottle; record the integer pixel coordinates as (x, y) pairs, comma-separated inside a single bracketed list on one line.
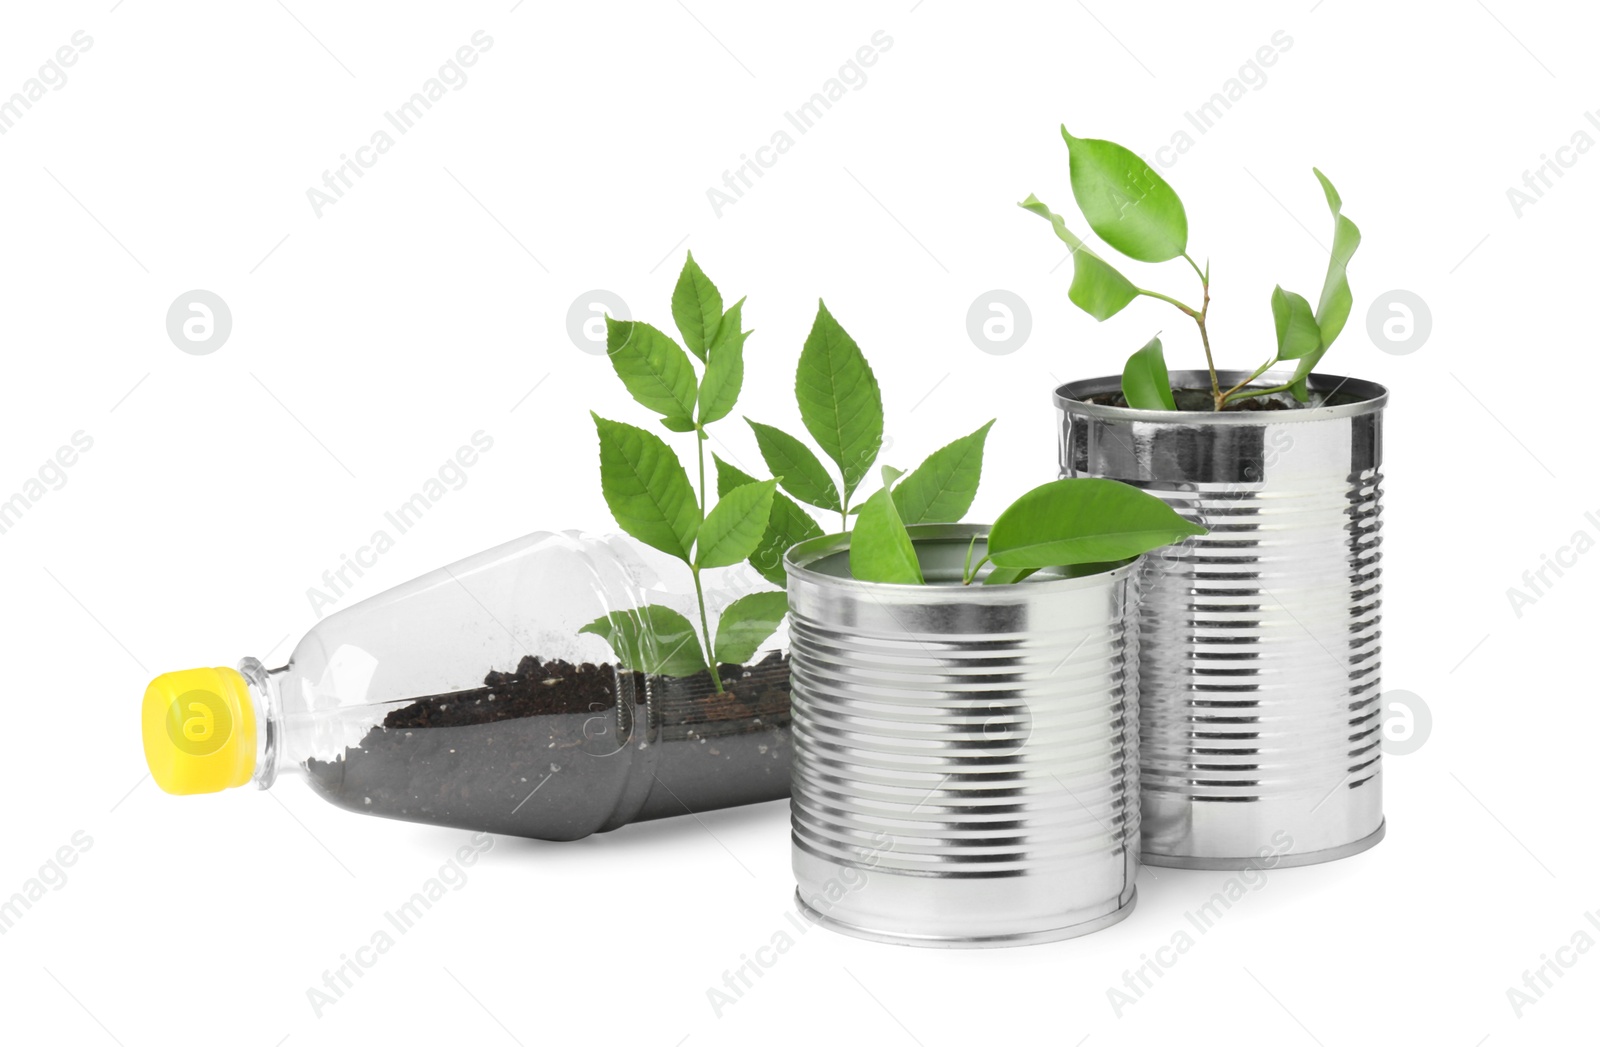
[(469, 698)]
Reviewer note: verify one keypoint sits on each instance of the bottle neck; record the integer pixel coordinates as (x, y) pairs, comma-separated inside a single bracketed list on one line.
[(266, 702)]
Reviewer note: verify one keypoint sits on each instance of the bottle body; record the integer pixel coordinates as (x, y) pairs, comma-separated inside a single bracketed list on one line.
[(470, 697)]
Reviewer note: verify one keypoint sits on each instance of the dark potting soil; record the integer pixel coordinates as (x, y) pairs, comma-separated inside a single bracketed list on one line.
[(556, 751), (1200, 400)]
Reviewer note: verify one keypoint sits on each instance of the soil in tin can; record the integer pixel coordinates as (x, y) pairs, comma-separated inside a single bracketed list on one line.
[(1200, 400)]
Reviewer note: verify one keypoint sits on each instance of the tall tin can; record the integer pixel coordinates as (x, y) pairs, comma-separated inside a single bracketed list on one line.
[(965, 756), (1260, 671)]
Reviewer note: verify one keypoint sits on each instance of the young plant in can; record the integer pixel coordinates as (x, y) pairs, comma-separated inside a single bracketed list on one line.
[(1135, 212)]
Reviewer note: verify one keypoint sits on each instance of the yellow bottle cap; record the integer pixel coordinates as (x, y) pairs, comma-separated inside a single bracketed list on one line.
[(199, 731)]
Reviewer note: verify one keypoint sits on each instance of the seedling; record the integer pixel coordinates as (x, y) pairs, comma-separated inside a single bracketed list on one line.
[(649, 493), (841, 407), (1138, 214), (1059, 524)]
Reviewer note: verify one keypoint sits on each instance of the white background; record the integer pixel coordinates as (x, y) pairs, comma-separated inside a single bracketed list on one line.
[(369, 343)]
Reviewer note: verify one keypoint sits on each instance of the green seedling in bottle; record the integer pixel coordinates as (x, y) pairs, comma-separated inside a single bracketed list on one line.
[(649, 492)]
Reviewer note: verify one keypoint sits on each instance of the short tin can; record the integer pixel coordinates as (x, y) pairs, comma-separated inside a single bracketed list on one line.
[(1260, 666), (965, 756)]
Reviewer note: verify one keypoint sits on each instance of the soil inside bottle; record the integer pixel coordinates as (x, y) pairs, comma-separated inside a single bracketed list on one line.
[(556, 750)]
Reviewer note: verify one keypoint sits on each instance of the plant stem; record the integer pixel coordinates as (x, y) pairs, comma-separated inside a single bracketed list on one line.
[(1257, 374), (1186, 310), (705, 631), (1199, 317), (700, 453), (1274, 389), (1205, 340), (699, 591), (1218, 397)]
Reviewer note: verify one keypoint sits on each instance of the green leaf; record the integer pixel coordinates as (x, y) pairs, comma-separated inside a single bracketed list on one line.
[(734, 528), (800, 472), (788, 525), (1083, 520), (724, 377), (696, 308), (880, 548), (657, 641), (1127, 204), (747, 623), (1333, 308), (1007, 575), (654, 368), (1296, 326), (646, 488), (1145, 382), (1097, 288), (731, 327), (839, 399), (941, 489)]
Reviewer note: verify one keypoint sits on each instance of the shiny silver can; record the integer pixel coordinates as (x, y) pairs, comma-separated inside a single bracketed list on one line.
[(1260, 666), (965, 757)]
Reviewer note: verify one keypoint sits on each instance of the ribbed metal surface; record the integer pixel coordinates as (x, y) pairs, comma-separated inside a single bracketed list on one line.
[(966, 756), (1260, 642)]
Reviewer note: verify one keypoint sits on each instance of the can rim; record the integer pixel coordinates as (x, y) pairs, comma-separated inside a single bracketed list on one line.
[(1069, 397), (797, 560)]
